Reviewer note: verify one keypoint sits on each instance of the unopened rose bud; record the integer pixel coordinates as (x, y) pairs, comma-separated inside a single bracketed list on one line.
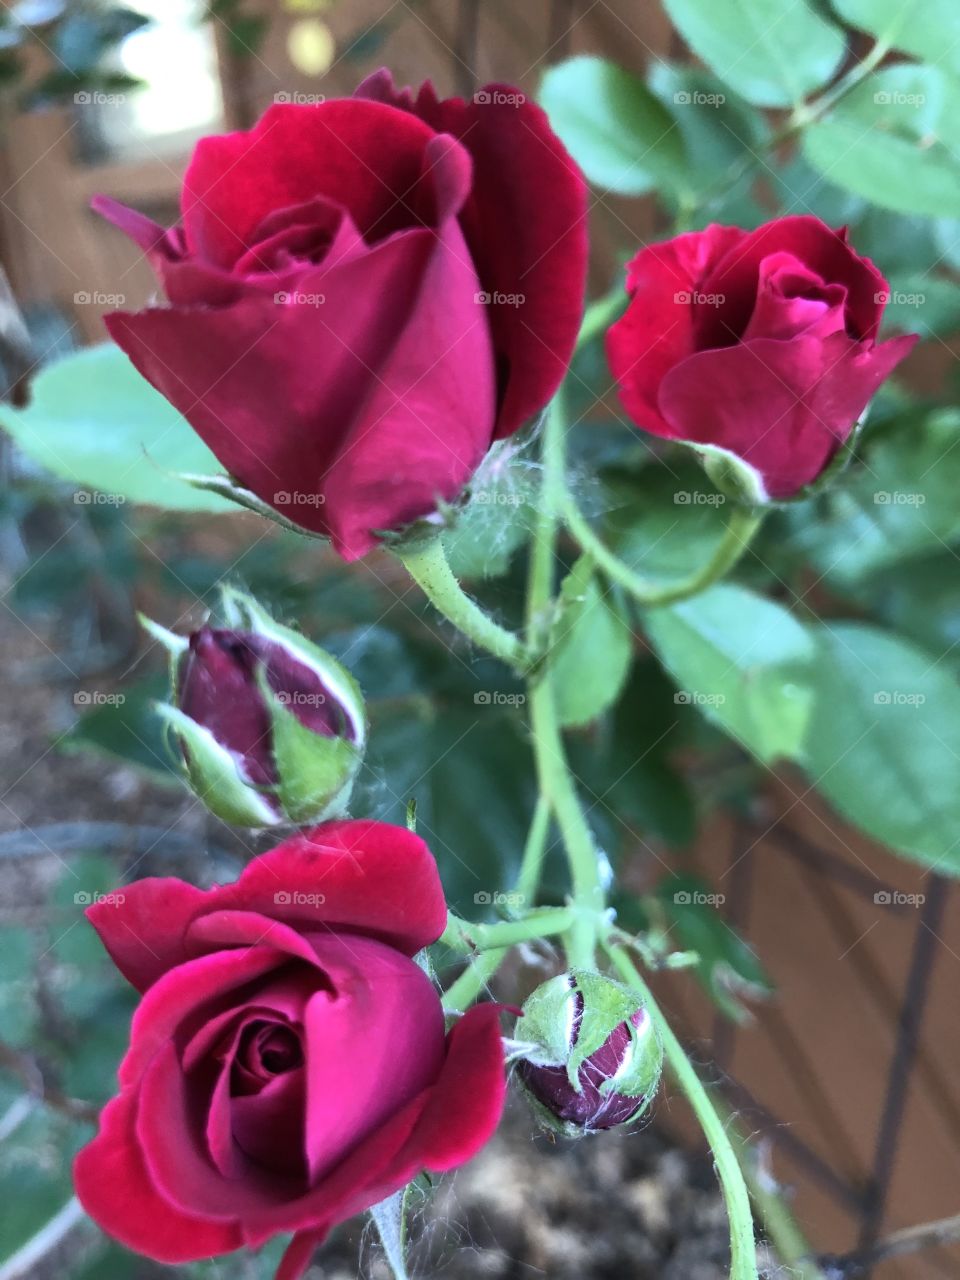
[(271, 727), (593, 1055)]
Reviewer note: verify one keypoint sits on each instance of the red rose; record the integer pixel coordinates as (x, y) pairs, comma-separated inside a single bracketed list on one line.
[(762, 343), (365, 294), (288, 1065)]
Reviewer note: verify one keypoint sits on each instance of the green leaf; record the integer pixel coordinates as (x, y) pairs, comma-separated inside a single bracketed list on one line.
[(920, 599), (728, 968), (717, 126), (929, 29), (772, 54), (592, 649), (891, 139), (923, 303), (126, 727), (901, 503), (94, 421), (883, 741), (619, 133), (626, 767), (744, 661), (666, 521)]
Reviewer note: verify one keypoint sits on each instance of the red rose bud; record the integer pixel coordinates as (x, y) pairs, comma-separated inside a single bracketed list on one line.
[(757, 347), (271, 727), (364, 294), (593, 1056)]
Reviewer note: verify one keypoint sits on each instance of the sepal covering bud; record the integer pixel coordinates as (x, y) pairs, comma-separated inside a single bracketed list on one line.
[(593, 1055), (271, 727)]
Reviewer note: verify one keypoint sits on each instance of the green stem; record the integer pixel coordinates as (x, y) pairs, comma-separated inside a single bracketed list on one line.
[(534, 852), (742, 525), (553, 771), (462, 993), (800, 117), (778, 1223), (426, 562), (462, 935), (600, 315), (743, 1251)]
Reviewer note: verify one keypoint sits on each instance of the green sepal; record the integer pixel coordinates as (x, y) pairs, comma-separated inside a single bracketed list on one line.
[(549, 1020), (215, 775), (224, 487), (315, 773), (734, 477), (640, 1073), (606, 1003)]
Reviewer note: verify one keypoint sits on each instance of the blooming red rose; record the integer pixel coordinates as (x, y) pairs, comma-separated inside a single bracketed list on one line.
[(363, 295), (288, 1065), (762, 343)]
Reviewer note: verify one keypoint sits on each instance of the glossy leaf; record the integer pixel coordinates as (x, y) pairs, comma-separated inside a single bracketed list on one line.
[(95, 421), (883, 741), (772, 54), (621, 135), (891, 139)]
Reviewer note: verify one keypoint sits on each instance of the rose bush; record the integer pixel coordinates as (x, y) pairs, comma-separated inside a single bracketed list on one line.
[(363, 295), (761, 343), (288, 1065)]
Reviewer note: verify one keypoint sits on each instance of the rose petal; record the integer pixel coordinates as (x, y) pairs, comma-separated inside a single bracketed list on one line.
[(734, 277), (522, 243), (657, 331), (793, 300), (114, 1187), (366, 156), (188, 996), (783, 406), (143, 926), (367, 876), (371, 1047)]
